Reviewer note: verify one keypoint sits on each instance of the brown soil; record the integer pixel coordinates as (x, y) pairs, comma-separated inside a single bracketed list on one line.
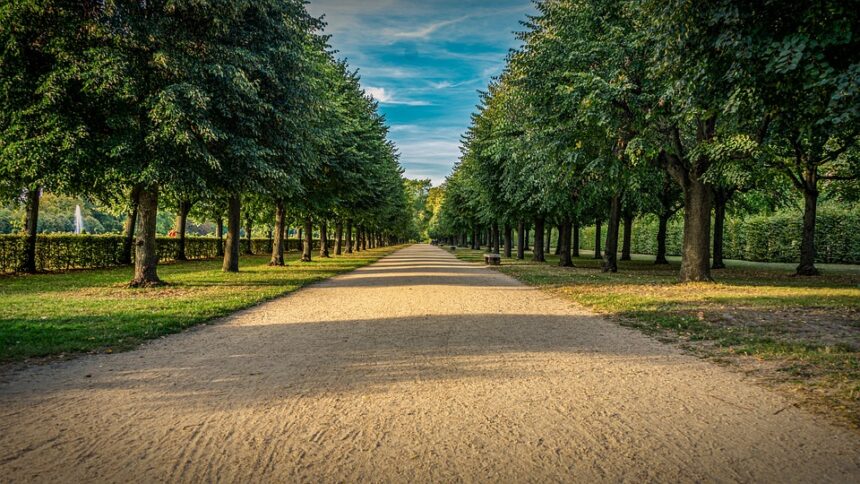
[(417, 368)]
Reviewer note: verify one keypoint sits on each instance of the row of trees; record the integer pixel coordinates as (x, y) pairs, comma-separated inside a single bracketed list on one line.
[(613, 108), (225, 107)]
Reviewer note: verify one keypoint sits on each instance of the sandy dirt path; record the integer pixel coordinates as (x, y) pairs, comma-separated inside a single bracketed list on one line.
[(417, 368)]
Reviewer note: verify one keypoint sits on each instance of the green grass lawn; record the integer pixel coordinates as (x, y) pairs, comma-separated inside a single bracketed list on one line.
[(801, 334), (95, 311)]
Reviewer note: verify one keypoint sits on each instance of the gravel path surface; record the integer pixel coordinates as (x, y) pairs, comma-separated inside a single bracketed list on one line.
[(417, 368)]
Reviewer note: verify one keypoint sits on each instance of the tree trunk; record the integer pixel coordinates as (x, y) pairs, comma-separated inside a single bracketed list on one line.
[(363, 238), (130, 224), (308, 243), (548, 240), (338, 238), (528, 229), (575, 243), (301, 240), (278, 241), (31, 226), (349, 236), (232, 245), (628, 236), (696, 253), (219, 234), (597, 240), (661, 238), (521, 243), (181, 223), (248, 225), (508, 239), (539, 233), (558, 240), (807, 244), (475, 245), (358, 230), (564, 244), (146, 249), (720, 201), (324, 239), (494, 238), (610, 254)]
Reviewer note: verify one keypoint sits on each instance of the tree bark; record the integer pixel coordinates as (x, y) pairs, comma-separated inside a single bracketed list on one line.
[(721, 198), (539, 233), (324, 239), (558, 241), (301, 240), (597, 240), (358, 230), (807, 244), (475, 245), (278, 241), (338, 238), (308, 243), (661, 237), (219, 234), (610, 254), (695, 263), (349, 236), (233, 243), (181, 224), (628, 236), (248, 226), (130, 224), (521, 243), (31, 225), (564, 234), (575, 242), (363, 238), (508, 239), (528, 229), (146, 248), (548, 240)]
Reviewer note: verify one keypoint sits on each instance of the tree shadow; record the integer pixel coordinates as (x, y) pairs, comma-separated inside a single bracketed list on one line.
[(290, 360)]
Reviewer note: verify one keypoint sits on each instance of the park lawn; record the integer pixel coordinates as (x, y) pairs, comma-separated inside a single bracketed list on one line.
[(799, 334), (94, 311)]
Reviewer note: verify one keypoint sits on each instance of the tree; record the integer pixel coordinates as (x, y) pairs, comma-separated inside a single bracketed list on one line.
[(44, 140)]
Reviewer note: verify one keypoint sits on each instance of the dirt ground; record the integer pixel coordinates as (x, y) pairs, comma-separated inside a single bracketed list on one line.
[(417, 368)]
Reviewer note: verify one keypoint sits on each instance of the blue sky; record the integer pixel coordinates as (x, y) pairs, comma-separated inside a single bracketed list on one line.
[(424, 61)]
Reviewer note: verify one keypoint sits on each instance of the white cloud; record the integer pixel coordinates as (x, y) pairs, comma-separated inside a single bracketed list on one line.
[(442, 85), (386, 96), (425, 31)]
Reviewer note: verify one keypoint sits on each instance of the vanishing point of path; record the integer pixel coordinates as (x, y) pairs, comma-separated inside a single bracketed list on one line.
[(417, 368)]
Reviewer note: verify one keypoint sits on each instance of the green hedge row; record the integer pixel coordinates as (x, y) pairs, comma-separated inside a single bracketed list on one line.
[(64, 252), (760, 238)]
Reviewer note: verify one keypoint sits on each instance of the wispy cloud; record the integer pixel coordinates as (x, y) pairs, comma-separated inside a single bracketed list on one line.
[(424, 61), (386, 96), (425, 31)]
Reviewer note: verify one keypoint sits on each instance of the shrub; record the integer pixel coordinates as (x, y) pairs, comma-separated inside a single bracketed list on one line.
[(759, 238), (60, 252)]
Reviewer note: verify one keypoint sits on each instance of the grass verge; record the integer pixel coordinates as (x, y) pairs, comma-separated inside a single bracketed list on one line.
[(94, 310), (800, 335)]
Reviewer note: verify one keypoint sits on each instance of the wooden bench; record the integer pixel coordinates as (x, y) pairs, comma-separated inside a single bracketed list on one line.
[(492, 259), (453, 247)]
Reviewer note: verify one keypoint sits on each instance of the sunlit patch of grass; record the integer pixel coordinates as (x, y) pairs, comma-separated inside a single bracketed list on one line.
[(805, 332), (94, 310)]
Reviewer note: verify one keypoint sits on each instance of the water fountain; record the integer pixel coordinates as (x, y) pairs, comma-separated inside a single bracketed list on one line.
[(79, 220)]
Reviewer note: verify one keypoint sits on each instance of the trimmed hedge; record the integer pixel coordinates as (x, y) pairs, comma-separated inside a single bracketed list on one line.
[(64, 252), (759, 238)]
